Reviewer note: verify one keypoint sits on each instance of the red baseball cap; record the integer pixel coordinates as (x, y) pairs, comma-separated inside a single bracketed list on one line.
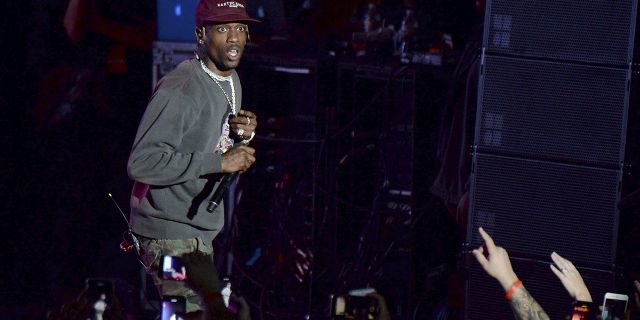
[(222, 11)]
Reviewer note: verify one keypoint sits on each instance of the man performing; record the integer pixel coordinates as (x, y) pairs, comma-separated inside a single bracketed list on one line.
[(191, 132)]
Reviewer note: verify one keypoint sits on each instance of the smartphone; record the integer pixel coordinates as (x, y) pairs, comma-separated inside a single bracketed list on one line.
[(614, 307), (99, 289), (173, 307), (226, 292), (172, 268), (354, 307), (582, 311)]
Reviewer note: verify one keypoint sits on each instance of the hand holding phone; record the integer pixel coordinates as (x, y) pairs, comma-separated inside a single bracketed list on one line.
[(226, 292), (99, 289), (173, 307), (615, 306), (354, 307), (172, 268), (100, 294)]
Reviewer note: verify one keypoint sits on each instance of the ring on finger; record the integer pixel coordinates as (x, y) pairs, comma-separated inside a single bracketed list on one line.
[(240, 132), (248, 121)]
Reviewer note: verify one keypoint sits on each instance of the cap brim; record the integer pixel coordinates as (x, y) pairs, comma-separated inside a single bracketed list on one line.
[(229, 18)]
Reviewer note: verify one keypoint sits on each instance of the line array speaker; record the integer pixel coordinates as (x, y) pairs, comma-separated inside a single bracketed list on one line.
[(550, 132)]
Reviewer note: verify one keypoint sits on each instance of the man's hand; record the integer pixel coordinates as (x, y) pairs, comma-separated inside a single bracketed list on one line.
[(570, 278), (239, 158), (496, 263), (243, 124)]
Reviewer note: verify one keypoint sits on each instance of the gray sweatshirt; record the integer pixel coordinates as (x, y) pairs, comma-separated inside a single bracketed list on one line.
[(173, 161)]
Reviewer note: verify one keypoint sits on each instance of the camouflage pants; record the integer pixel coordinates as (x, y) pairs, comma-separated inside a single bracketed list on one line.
[(151, 254)]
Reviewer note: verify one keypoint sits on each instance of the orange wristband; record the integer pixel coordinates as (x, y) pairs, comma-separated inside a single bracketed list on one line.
[(513, 290)]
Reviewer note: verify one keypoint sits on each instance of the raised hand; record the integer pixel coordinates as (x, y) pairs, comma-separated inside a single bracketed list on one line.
[(496, 262), (570, 278)]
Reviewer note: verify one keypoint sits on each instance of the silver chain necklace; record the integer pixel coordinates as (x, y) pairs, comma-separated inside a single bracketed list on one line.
[(214, 77)]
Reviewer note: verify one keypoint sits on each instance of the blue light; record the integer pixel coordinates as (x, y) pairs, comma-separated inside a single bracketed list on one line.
[(261, 12), (178, 10)]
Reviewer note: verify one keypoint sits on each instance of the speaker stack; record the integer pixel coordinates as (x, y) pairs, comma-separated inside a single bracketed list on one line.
[(549, 145)]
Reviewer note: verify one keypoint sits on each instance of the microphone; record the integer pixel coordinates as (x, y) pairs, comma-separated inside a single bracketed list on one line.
[(216, 198), (129, 239), (224, 185)]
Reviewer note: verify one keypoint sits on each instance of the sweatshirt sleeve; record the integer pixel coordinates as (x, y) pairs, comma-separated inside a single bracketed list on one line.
[(154, 158)]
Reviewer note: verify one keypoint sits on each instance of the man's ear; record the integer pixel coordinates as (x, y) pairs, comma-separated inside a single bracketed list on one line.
[(200, 32)]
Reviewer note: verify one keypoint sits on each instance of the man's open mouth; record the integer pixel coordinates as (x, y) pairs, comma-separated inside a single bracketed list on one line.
[(233, 53)]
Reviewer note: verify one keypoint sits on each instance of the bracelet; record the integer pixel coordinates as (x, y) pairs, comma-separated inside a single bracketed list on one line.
[(512, 290), (583, 306)]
